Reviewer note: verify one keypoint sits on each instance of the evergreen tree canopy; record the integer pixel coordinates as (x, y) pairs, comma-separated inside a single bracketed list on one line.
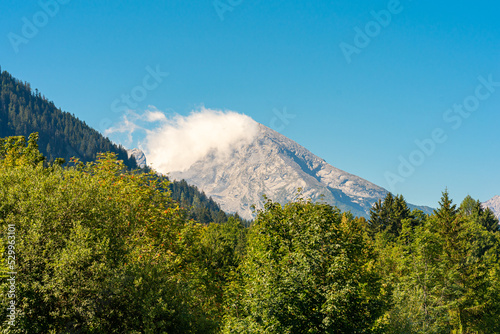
[(388, 215)]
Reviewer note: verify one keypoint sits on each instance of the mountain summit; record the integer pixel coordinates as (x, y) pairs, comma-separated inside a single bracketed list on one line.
[(276, 166)]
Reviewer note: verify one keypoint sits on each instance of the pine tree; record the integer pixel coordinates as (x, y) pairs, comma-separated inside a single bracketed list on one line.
[(389, 215), (446, 214)]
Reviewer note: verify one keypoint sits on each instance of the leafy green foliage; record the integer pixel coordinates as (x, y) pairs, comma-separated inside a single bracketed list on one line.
[(308, 269), (101, 248)]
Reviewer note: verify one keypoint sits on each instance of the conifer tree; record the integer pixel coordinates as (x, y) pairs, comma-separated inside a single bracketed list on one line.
[(446, 212)]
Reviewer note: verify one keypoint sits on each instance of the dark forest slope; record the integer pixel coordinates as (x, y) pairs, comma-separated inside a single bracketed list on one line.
[(61, 135)]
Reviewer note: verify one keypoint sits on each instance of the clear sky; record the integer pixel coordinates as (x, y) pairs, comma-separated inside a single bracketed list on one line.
[(363, 80)]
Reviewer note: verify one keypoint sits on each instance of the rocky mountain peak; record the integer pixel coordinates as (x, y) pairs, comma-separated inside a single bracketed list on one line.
[(276, 166)]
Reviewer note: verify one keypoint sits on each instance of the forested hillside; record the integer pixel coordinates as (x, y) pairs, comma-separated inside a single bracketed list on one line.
[(201, 207), (100, 248), (61, 135)]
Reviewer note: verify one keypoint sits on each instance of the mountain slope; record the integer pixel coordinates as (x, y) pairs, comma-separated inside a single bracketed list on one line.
[(61, 135), (276, 166), (494, 205)]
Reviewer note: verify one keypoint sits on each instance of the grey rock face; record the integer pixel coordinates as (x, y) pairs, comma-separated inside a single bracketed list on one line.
[(276, 166)]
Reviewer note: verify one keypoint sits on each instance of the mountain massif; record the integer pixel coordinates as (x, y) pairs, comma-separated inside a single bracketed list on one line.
[(276, 166)]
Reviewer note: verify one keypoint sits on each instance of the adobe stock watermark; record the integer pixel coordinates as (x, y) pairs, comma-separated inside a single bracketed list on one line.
[(223, 6), (453, 116), (12, 274), (127, 101), (364, 36), (31, 26), (281, 119)]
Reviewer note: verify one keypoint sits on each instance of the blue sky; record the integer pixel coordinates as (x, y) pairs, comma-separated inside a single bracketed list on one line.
[(360, 110)]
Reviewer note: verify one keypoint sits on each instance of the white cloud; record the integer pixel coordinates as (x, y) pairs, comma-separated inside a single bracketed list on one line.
[(155, 116), (127, 126), (180, 141)]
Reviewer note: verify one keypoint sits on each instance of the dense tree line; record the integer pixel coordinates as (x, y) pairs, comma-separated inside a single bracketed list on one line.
[(101, 248), (443, 269)]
